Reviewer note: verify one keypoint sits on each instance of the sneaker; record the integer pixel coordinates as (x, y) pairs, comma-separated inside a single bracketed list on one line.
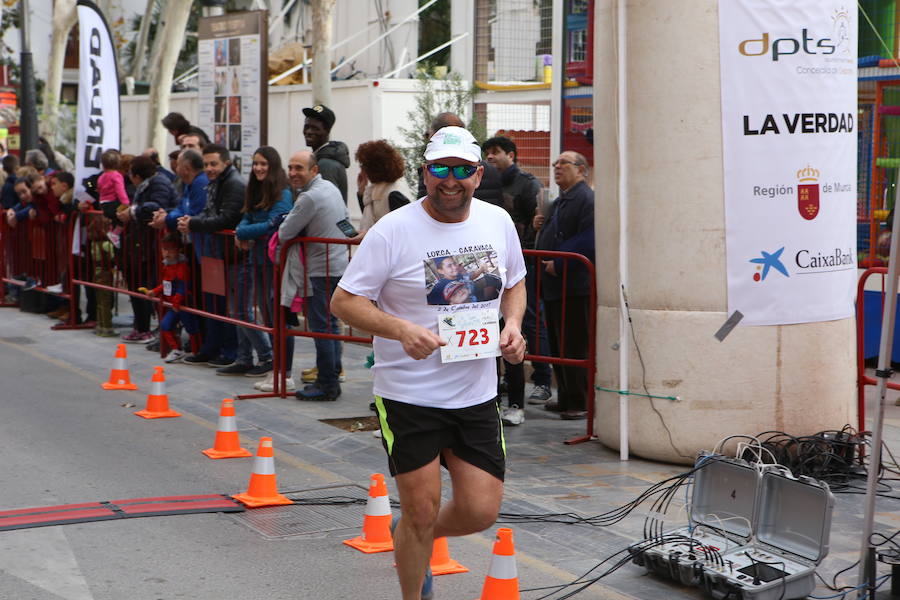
[(269, 381), (513, 415), (174, 356), (541, 394), (147, 338), (269, 385), (314, 393), (234, 369), (55, 289), (219, 362), (114, 238), (428, 584), (153, 346), (310, 375), (197, 359), (260, 370), (135, 337)]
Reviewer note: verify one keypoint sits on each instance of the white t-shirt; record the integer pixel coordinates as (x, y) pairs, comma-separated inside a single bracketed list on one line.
[(406, 265)]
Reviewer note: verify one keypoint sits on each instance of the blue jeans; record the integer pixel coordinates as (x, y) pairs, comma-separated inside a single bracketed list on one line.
[(248, 339), (328, 352)]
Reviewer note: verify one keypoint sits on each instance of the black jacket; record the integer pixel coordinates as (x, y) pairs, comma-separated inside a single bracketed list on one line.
[(569, 228), (153, 194), (334, 158), (490, 190), (224, 201), (520, 193)]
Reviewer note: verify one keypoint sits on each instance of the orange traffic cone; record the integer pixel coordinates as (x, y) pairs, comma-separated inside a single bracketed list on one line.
[(263, 489), (118, 375), (502, 581), (227, 444), (441, 563), (157, 399), (376, 533)]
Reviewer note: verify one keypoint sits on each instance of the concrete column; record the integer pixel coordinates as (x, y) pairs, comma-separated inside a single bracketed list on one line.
[(795, 378)]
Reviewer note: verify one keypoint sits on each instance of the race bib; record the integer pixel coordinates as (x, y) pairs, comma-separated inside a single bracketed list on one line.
[(470, 334), (167, 287)]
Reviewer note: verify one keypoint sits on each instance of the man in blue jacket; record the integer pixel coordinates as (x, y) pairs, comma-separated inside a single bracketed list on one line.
[(569, 228)]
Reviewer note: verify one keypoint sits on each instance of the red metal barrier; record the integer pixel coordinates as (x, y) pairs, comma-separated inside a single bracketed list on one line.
[(862, 380), (588, 362), (38, 252)]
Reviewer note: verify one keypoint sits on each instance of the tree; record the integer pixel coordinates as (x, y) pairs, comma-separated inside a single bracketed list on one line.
[(434, 97), (321, 63), (65, 16), (170, 40)]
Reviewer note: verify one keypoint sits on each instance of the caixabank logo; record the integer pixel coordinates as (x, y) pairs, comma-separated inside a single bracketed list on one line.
[(806, 261), (803, 41)]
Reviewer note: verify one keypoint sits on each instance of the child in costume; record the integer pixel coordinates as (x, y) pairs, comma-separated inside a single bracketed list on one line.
[(175, 276)]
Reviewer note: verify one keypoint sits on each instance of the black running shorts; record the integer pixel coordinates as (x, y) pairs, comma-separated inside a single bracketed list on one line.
[(413, 436)]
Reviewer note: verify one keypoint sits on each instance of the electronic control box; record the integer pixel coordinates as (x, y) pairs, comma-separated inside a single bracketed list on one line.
[(754, 535)]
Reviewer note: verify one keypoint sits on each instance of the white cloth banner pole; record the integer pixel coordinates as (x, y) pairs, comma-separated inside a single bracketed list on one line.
[(98, 94), (789, 107)]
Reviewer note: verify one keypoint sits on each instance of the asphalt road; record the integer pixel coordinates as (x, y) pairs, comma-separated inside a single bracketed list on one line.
[(64, 440)]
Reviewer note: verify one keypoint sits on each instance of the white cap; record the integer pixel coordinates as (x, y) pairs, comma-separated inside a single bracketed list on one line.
[(453, 142)]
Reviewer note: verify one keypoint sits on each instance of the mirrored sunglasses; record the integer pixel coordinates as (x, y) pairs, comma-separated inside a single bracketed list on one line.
[(459, 171)]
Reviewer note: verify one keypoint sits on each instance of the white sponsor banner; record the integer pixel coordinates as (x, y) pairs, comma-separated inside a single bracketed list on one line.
[(789, 132), (98, 94)]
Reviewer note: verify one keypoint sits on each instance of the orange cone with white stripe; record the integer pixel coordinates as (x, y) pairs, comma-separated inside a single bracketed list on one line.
[(263, 488), (119, 379), (502, 581), (227, 444), (376, 532), (441, 563), (157, 399)]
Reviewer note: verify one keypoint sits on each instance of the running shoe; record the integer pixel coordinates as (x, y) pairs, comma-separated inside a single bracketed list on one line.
[(175, 355), (513, 415)]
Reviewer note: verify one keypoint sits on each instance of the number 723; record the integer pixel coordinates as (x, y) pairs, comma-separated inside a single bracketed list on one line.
[(473, 334)]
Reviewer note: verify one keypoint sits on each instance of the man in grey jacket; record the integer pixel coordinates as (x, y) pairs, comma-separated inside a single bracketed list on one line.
[(316, 212)]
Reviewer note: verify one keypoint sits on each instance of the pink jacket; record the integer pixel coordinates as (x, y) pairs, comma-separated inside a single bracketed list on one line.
[(111, 186)]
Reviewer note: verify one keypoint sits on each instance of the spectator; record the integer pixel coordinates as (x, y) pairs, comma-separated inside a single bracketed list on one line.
[(63, 185), (490, 188), (267, 200), (175, 276), (44, 201), (316, 211), (56, 160), (332, 157), (153, 155), (569, 228), (224, 199), (111, 187), (23, 209), (193, 141), (8, 197), (173, 166), (38, 161), (139, 249), (102, 254), (381, 186), (520, 194), (176, 124), (189, 168)]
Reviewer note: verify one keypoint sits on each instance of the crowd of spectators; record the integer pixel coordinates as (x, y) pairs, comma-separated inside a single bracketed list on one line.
[(136, 201)]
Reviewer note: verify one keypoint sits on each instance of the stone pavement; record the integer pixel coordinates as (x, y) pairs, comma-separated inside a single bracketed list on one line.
[(544, 475)]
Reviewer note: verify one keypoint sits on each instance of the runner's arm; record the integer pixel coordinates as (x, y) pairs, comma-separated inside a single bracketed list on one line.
[(512, 306), (358, 311)]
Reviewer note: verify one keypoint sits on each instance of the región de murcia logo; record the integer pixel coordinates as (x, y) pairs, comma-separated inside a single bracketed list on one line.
[(808, 192)]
